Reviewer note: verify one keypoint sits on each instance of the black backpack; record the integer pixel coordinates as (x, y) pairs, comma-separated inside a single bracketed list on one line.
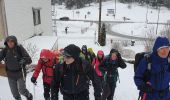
[(80, 70), (138, 58)]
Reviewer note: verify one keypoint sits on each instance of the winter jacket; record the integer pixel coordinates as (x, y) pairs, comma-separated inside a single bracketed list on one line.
[(88, 57), (96, 62), (90, 50), (110, 67), (74, 78), (47, 68), (159, 78), (13, 57)]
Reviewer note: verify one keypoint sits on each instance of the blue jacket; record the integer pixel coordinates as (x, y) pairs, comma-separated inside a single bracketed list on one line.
[(160, 77)]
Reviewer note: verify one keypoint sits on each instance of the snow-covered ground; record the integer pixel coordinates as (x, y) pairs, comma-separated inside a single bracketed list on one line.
[(125, 89), (136, 13), (136, 29), (83, 33), (76, 37), (36, 44)]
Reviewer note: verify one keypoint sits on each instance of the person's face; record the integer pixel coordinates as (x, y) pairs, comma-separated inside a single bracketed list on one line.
[(11, 44), (163, 52), (113, 56), (100, 56), (84, 50), (68, 60)]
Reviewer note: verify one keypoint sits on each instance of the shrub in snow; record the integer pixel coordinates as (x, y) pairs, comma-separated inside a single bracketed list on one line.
[(150, 39), (117, 45), (129, 6), (127, 53), (125, 43), (166, 31), (32, 50)]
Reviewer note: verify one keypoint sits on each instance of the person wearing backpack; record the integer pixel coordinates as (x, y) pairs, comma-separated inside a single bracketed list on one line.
[(45, 63), (110, 65), (16, 58), (90, 50), (96, 62), (152, 76), (86, 54), (73, 75)]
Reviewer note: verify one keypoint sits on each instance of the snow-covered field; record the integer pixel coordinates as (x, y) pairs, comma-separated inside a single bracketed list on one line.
[(83, 33), (136, 13), (136, 29)]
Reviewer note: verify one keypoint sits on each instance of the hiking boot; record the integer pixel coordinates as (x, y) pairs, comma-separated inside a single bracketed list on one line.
[(30, 97)]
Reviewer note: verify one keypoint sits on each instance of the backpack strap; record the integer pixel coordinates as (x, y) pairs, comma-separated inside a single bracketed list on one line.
[(19, 51), (149, 67), (148, 59)]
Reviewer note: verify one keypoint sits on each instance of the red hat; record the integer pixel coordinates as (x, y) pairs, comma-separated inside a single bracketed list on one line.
[(100, 52)]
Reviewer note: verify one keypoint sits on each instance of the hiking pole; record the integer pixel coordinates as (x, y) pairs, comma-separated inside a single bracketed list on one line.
[(139, 98), (23, 73), (34, 85)]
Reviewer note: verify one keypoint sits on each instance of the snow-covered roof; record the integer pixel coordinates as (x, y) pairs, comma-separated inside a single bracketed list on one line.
[(36, 44)]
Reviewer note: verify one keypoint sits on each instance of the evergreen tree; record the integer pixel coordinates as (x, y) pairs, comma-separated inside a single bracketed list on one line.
[(103, 35)]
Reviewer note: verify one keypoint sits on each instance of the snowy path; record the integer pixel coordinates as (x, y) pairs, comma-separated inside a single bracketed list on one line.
[(125, 90), (111, 32)]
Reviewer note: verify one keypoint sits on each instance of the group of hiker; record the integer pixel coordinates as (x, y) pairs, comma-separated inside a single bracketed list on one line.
[(73, 70)]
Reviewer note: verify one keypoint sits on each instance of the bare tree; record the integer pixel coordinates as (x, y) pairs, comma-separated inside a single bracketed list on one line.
[(117, 45), (32, 50), (166, 31), (150, 39)]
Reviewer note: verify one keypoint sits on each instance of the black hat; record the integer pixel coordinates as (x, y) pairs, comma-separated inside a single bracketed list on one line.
[(11, 38), (84, 48), (114, 51), (72, 50)]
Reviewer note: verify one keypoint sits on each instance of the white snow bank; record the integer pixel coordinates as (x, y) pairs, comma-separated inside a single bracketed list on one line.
[(36, 44), (136, 29)]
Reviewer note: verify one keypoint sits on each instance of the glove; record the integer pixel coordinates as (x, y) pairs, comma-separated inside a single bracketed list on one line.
[(146, 88), (119, 56), (33, 80), (22, 62)]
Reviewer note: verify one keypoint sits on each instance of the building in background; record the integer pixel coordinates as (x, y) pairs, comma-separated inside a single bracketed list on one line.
[(25, 18)]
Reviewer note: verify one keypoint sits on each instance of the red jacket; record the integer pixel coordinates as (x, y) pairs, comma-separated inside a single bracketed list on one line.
[(96, 64), (47, 68)]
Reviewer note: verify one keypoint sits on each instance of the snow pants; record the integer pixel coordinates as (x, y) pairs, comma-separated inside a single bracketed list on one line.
[(47, 91), (84, 95), (108, 91), (18, 86)]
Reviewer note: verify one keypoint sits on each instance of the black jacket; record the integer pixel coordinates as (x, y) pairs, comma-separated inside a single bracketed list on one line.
[(111, 67), (13, 57), (74, 78)]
